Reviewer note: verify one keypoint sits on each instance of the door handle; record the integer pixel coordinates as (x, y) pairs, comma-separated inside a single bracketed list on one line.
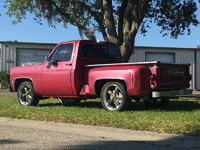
[(68, 64)]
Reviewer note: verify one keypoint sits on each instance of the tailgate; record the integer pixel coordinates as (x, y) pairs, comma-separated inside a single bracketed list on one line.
[(171, 75)]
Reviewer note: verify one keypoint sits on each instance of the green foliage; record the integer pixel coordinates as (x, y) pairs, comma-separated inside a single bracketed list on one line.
[(172, 15), (5, 79), (117, 20)]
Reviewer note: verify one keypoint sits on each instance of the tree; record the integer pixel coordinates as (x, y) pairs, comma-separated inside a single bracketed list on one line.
[(117, 20)]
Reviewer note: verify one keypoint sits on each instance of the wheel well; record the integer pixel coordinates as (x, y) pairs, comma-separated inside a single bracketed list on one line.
[(19, 81), (99, 84)]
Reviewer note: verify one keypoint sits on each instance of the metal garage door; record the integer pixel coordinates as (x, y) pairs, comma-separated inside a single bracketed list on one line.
[(25, 56), (163, 57)]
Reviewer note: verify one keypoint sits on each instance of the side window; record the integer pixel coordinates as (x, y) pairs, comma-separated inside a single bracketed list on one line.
[(62, 53)]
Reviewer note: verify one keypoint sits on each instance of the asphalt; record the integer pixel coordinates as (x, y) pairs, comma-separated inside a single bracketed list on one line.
[(31, 134)]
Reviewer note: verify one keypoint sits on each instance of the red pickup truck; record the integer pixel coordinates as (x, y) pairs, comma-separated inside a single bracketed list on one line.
[(81, 69)]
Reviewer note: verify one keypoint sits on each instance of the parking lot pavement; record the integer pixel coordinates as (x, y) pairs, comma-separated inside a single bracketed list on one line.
[(31, 134)]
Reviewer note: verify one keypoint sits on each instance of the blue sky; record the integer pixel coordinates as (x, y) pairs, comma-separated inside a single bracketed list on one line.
[(30, 31)]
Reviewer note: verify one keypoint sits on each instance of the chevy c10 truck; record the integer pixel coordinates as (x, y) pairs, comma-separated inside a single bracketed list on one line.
[(82, 69)]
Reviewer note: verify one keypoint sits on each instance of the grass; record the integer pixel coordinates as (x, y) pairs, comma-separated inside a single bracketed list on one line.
[(4, 90), (180, 116)]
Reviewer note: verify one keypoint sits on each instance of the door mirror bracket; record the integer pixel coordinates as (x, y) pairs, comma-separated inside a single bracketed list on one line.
[(46, 59), (48, 65)]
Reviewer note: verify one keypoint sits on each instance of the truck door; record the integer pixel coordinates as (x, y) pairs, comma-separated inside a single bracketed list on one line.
[(56, 77)]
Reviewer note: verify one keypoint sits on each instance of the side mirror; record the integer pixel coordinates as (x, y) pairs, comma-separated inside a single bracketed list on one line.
[(48, 65)]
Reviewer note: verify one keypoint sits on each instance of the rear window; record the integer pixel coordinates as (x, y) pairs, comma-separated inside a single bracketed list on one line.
[(100, 51)]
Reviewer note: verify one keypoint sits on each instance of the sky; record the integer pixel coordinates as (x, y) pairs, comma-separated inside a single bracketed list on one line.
[(30, 31)]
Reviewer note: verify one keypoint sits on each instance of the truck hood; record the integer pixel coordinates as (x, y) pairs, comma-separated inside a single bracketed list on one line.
[(26, 69)]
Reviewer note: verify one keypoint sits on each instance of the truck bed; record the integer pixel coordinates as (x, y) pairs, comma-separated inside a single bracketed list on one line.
[(164, 75)]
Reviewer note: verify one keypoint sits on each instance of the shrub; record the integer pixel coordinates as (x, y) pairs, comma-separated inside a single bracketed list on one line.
[(4, 79)]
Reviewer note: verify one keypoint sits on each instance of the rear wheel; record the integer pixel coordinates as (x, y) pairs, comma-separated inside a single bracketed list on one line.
[(114, 97), (154, 103), (26, 94)]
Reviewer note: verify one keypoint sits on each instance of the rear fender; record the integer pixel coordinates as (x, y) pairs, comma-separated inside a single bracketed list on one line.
[(100, 82)]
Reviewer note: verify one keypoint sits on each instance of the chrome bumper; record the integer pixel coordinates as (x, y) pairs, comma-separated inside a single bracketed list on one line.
[(172, 93)]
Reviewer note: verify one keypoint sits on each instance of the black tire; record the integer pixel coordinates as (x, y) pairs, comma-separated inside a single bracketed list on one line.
[(64, 100), (26, 94), (154, 103), (114, 97)]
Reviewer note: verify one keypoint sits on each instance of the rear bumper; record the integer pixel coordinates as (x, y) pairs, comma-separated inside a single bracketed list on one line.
[(171, 93)]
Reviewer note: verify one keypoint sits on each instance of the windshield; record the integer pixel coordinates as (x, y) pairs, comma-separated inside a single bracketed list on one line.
[(100, 51)]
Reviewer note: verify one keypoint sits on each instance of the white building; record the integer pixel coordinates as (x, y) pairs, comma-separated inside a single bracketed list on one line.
[(18, 53)]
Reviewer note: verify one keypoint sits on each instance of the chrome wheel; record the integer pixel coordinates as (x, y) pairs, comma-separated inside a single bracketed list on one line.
[(26, 94), (114, 96)]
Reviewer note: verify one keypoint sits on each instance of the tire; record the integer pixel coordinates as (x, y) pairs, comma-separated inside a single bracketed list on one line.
[(154, 103), (26, 94), (64, 100), (114, 97)]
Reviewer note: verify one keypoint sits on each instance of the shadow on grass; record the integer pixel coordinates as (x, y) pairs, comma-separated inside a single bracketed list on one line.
[(175, 105)]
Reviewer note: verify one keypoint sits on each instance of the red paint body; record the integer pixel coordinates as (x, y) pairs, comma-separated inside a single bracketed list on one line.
[(82, 76)]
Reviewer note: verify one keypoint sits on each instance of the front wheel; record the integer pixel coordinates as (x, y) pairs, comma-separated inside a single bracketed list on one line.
[(154, 103), (114, 97), (26, 94)]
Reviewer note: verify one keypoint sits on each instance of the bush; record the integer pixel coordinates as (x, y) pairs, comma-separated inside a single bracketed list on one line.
[(4, 79)]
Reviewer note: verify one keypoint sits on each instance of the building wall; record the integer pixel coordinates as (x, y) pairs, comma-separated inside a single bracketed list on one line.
[(187, 55), (0, 55), (9, 51), (198, 70)]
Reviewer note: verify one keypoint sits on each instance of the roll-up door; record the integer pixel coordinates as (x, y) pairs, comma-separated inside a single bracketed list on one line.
[(162, 57), (31, 56)]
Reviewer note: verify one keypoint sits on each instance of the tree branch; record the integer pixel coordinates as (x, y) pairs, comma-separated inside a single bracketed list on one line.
[(109, 22), (120, 20), (97, 18), (89, 34)]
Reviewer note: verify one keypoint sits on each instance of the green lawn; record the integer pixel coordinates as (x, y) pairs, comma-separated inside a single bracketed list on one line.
[(4, 90), (180, 116)]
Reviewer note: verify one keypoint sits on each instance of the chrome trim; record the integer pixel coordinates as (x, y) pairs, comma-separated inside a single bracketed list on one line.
[(21, 78), (171, 93), (158, 62)]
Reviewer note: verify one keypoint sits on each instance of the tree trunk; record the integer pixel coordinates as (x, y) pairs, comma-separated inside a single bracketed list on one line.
[(126, 51), (128, 45)]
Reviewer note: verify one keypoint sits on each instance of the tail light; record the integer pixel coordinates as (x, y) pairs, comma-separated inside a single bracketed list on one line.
[(152, 81)]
